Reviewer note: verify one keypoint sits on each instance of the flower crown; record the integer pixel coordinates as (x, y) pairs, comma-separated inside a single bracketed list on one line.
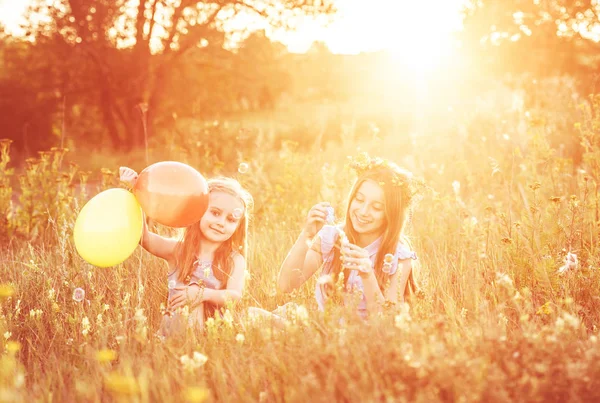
[(401, 178)]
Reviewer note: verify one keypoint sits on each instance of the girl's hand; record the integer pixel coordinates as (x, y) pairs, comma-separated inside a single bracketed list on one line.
[(315, 219), (356, 258), (190, 295), (128, 175)]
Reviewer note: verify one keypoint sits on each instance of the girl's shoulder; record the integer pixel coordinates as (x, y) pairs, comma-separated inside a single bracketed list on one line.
[(404, 250)]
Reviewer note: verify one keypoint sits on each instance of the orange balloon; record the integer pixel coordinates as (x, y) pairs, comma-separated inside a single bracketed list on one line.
[(172, 193)]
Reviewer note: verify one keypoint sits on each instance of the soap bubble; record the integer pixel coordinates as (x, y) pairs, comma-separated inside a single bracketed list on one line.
[(388, 258), (243, 168), (237, 213)]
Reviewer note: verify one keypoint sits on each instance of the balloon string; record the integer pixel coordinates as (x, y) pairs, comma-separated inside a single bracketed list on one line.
[(144, 111)]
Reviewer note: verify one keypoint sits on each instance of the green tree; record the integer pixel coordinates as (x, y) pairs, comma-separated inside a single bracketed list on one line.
[(130, 51)]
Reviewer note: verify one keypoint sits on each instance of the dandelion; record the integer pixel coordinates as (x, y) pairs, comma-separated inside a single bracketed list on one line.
[(240, 338), (456, 187), (571, 262), (6, 291), (195, 361), (78, 294), (325, 279), (388, 258), (106, 355), (7, 335)]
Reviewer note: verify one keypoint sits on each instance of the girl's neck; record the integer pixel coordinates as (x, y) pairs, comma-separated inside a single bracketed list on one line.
[(207, 250)]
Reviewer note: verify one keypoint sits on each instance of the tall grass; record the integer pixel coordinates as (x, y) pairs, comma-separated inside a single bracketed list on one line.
[(496, 320)]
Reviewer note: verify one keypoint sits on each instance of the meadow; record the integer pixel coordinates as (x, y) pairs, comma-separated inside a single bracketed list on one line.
[(506, 233)]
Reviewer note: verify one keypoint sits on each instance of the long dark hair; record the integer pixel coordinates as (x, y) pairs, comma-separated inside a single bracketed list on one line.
[(398, 194)]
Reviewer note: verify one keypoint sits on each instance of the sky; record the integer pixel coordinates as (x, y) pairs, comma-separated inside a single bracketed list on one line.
[(416, 29)]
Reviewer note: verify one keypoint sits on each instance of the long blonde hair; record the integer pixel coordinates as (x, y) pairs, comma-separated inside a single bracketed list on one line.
[(398, 192), (187, 249)]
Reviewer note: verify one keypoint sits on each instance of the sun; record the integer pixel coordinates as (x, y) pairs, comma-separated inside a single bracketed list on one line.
[(416, 34), (421, 38)]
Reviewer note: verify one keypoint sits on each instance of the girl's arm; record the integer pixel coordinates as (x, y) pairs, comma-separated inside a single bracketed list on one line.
[(157, 245), (195, 295), (301, 263), (235, 285)]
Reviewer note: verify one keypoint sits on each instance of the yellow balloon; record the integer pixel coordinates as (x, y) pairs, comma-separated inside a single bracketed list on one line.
[(108, 228)]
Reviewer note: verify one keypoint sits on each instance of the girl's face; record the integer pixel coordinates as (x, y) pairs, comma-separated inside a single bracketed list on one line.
[(367, 209), (222, 216)]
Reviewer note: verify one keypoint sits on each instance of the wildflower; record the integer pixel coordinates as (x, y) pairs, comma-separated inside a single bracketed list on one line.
[(301, 314), (6, 291), (99, 319), (13, 346), (195, 394), (402, 320), (195, 361), (78, 294), (85, 326), (210, 323), (504, 280), (240, 338), (571, 262), (7, 335), (106, 355), (105, 307), (228, 318), (544, 309), (51, 293), (123, 385), (140, 328)]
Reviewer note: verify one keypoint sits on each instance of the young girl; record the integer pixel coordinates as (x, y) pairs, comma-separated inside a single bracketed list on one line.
[(369, 248), (207, 265)]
